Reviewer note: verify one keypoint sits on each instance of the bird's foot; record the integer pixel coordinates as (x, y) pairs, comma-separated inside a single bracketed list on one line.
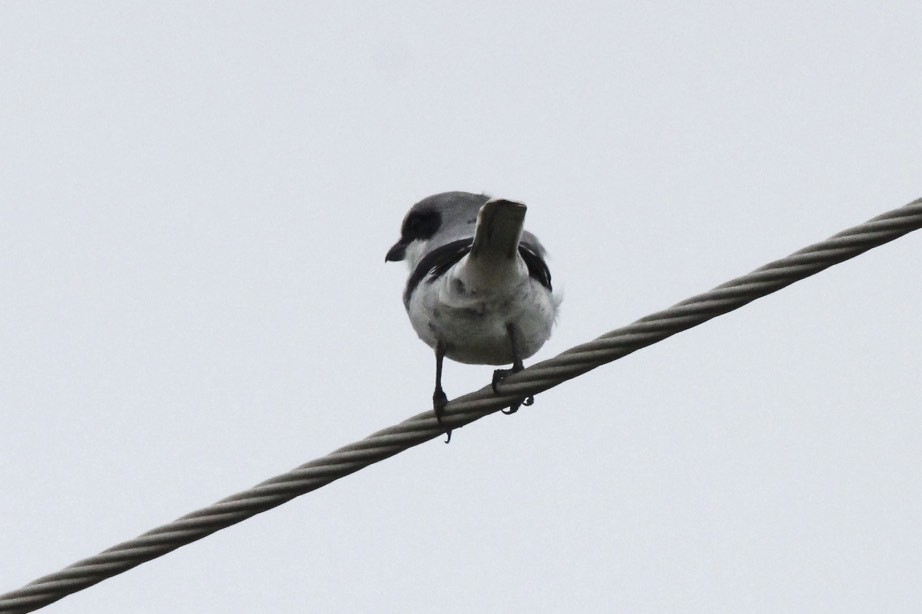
[(498, 376), (439, 401)]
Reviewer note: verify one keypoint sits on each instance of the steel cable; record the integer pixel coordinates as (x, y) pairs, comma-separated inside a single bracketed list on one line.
[(463, 410)]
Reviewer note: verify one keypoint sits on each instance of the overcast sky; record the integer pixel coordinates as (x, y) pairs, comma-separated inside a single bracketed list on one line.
[(195, 203)]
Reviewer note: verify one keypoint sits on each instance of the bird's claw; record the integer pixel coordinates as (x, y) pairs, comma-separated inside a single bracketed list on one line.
[(439, 401), (527, 401), (498, 376)]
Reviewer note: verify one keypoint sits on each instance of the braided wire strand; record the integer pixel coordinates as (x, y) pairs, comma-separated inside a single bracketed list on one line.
[(466, 409)]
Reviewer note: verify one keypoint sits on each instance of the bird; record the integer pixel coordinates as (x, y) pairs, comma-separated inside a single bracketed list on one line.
[(479, 289)]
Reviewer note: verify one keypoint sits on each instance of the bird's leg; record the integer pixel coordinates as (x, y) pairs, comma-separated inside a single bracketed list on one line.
[(517, 366), (439, 400)]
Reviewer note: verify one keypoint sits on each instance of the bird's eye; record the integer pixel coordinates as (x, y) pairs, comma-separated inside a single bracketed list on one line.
[(421, 225)]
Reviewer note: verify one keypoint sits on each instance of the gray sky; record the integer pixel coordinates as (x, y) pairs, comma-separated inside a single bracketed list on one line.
[(196, 203)]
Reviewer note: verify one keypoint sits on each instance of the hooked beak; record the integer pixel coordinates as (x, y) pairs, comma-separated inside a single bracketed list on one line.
[(396, 253)]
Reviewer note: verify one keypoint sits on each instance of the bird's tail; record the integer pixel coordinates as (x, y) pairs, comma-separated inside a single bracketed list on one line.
[(499, 228)]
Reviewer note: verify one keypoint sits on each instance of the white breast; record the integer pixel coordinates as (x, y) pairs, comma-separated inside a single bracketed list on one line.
[(469, 308)]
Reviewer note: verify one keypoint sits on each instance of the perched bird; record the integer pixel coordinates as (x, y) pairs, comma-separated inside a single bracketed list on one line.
[(479, 290)]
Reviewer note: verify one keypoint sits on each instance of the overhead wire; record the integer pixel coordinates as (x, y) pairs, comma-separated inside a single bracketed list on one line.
[(465, 409)]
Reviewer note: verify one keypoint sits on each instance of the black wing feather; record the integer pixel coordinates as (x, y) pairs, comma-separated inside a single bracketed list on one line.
[(537, 267), (438, 261)]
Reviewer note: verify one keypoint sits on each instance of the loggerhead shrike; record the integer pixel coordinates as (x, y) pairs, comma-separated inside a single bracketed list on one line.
[(479, 290)]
